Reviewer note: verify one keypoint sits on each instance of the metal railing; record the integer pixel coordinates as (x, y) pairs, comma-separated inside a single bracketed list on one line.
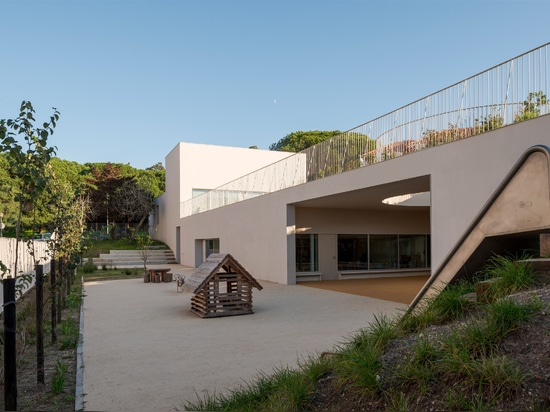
[(513, 91)]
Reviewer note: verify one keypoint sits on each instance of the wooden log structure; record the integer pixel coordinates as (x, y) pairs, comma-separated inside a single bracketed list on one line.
[(221, 287)]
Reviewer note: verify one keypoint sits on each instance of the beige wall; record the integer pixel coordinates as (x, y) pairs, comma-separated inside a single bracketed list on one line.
[(462, 175), (207, 166), (197, 166), (349, 221)]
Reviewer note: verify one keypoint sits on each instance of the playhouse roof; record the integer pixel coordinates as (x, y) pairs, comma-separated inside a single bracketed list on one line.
[(211, 266)]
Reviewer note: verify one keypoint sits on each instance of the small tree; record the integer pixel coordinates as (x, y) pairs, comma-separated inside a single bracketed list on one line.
[(28, 164), (532, 106), (144, 243)]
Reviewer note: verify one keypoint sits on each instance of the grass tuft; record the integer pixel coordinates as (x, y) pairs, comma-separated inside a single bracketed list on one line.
[(59, 377), (452, 302), (511, 273)]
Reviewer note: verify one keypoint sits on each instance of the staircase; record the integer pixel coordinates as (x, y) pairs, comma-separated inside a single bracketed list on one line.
[(134, 258)]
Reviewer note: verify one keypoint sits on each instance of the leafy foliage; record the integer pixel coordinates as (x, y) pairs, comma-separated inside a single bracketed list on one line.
[(532, 106), (121, 193), (26, 152), (490, 122), (298, 141), (28, 156)]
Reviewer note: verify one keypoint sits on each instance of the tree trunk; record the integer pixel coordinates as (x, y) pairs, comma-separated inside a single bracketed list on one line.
[(140, 224), (53, 303), (40, 324)]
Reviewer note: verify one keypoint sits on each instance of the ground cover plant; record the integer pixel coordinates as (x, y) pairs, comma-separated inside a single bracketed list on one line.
[(97, 274), (453, 354)]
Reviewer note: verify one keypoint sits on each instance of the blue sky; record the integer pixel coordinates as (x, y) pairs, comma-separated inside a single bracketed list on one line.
[(132, 78)]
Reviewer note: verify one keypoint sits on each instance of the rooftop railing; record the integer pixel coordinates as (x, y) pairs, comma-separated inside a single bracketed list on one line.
[(513, 91)]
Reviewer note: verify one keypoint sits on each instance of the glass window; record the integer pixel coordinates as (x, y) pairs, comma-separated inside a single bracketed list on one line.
[(306, 253), (376, 252), (198, 192), (353, 252), (211, 246), (383, 251), (412, 251)]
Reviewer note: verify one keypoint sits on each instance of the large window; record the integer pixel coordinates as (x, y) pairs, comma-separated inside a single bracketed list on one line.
[(413, 251), (306, 253), (353, 252), (383, 252)]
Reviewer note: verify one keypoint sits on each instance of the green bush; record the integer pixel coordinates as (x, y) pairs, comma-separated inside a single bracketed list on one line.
[(89, 266)]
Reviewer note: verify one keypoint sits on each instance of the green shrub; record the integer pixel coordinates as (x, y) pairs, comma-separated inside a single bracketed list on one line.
[(70, 333), (89, 266), (73, 301)]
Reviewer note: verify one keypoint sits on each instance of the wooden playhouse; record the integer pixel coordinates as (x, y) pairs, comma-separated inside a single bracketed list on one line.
[(222, 287)]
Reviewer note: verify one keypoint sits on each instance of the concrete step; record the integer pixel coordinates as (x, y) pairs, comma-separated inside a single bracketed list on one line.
[(121, 254), (121, 258)]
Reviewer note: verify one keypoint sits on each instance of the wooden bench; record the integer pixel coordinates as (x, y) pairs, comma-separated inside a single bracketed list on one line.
[(159, 275)]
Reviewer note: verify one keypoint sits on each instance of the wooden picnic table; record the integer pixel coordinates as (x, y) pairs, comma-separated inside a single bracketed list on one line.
[(161, 272)]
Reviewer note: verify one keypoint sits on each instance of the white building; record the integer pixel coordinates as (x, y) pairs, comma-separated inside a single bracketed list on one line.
[(349, 207)]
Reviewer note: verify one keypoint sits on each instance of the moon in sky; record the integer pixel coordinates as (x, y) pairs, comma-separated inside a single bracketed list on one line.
[(274, 101)]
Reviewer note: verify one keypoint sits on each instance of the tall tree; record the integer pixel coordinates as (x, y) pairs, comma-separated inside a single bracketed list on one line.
[(133, 203), (103, 181), (123, 194), (298, 141)]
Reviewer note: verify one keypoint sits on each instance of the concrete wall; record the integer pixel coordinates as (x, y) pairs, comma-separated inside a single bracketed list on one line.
[(197, 166), (462, 176), (464, 179), (253, 231), (349, 221), (207, 166)]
